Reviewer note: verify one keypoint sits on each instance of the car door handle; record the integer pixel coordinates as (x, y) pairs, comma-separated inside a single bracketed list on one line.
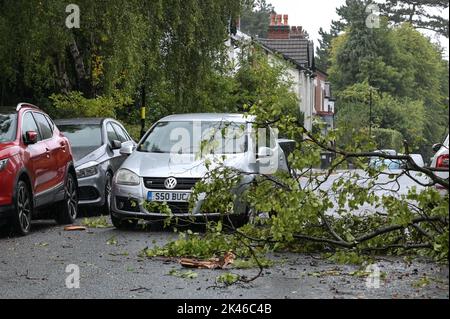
[(63, 147), (47, 152)]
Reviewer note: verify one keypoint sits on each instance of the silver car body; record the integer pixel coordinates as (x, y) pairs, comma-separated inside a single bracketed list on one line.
[(101, 159), (155, 169)]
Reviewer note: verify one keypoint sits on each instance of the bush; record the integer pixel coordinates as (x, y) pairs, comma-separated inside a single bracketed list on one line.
[(388, 139), (74, 104)]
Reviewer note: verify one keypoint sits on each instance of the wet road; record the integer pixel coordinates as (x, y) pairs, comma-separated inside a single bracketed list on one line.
[(35, 267)]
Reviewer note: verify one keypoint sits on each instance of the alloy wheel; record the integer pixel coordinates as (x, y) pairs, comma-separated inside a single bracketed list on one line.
[(72, 198), (24, 208)]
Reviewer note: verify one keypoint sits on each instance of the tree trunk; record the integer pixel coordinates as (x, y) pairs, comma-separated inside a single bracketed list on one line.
[(80, 69)]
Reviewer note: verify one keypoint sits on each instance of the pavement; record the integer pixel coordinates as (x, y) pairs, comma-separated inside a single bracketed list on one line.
[(35, 267)]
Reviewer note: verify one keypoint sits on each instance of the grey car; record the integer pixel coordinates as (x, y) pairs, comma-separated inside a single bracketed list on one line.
[(166, 164), (95, 145)]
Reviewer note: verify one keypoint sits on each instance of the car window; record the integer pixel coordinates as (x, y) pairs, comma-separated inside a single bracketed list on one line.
[(7, 127), (266, 137), (29, 124), (192, 137), (51, 123), (46, 131), (82, 135), (120, 133), (112, 136)]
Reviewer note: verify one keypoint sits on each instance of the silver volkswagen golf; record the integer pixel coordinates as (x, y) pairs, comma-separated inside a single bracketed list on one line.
[(173, 155)]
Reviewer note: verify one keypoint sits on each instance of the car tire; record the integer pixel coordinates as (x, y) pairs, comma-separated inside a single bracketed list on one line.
[(123, 223), (67, 210), (23, 209), (108, 188)]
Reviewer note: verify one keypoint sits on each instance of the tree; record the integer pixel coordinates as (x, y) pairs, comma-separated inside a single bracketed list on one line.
[(323, 50), (255, 18), (169, 46), (398, 61), (421, 14)]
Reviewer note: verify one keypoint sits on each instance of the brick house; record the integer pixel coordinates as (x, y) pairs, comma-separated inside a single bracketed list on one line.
[(309, 83)]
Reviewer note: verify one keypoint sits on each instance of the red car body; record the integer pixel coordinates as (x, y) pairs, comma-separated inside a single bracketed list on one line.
[(43, 164)]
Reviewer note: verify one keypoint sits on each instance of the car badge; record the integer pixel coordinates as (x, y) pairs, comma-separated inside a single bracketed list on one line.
[(170, 183)]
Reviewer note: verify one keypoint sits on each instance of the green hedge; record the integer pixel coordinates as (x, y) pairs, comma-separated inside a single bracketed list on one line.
[(388, 139)]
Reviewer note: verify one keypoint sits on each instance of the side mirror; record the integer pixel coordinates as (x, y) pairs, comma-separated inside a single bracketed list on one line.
[(265, 152), (116, 145), (31, 137), (127, 149), (437, 147)]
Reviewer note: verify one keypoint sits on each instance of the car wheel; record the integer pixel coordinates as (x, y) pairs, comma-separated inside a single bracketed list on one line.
[(68, 210), (24, 209), (108, 188), (123, 223)]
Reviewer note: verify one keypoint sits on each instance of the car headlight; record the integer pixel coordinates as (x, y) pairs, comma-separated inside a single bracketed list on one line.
[(127, 177), (3, 163), (86, 170)]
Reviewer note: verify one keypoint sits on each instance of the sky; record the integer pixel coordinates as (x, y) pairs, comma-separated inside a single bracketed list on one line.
[(313, 14)]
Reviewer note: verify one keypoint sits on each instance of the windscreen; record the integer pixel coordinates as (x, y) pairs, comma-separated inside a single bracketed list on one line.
[(192, 137), (8, 124)]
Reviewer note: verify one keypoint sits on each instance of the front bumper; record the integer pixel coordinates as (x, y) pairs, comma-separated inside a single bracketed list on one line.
[(91, 190), (128, 202)]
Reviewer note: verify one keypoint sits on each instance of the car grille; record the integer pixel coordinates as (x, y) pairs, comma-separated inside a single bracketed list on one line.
[(179, 208), (88, 193), (158, 183)]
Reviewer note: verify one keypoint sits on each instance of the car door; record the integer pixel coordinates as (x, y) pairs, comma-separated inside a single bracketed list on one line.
[(57, 148), (54, 175), (40, 161), (274, 160), (115, 156), (123, 138)]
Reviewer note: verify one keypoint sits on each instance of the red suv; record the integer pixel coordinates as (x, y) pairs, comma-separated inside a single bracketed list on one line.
[(36, 169)]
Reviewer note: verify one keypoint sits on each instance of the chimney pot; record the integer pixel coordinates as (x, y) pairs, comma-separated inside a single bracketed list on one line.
[(286, 19), (273, 18), (280, 19)]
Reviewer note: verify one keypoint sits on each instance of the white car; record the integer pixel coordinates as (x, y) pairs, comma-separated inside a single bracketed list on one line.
[(441, 162)]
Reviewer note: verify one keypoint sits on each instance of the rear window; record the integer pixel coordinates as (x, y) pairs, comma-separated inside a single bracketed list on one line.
[(8, 126), (82, 135)]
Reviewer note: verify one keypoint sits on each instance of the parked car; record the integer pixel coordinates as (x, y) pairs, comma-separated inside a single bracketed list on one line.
[(440, 162), (391, 164), (95, 145), (418, 159), (36, 168), (378, 162), (162, 169)]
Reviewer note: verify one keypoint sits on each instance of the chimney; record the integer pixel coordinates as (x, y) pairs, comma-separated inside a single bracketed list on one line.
[(279, 27), (280, 19), (273, 18), (297, 33)]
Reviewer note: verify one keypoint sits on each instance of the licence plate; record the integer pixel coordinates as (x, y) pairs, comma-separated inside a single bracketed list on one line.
[(176, 197)]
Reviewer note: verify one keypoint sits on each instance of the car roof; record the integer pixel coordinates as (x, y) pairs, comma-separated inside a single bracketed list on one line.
[(216, 117), (77, 121)]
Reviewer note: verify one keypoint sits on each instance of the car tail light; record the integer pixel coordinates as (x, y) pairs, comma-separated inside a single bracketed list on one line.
[(442, 161)]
